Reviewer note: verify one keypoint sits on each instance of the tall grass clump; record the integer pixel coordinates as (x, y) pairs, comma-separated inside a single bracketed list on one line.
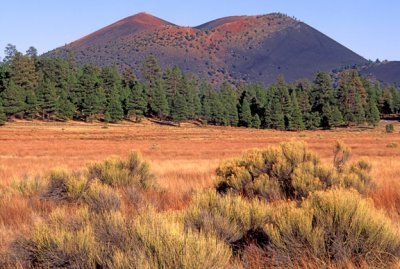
[(335, 226), (118, 172), (289, 171)]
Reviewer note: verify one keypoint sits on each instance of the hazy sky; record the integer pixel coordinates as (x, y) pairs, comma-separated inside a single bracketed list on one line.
[(368, 27)]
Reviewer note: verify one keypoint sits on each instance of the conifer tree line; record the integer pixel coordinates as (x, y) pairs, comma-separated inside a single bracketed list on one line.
[(37, 87)]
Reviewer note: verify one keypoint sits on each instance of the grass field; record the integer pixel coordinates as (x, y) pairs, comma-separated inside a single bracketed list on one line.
[(183, 159)]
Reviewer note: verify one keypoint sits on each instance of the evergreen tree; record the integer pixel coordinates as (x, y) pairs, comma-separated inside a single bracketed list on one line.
[(372, 114), (245, 114), (336, 119), (114, 111), (137, 103), (31, 104), (229, 102), (65, 108), (277, 116), (205, 93), (322, 95), (256, 122), (386, 101), (179, 110), (128, 78), (158, 102), (312, 120), (47, 99), (151, 73), (10, 51), (23, 73), (296, 118), (13, 100)]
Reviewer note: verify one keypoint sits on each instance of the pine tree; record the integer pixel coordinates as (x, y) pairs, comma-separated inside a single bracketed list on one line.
[(372, 113), (296, 119), (13, 100), (336, 119), (137, 103), (229, 102), (179, 110), (245, 114), (31, 104), (256, 122), (322, 93), (65, 108), (23, 73), (114, 111), (277, 116), (158, 102), (151, 72), (205, 92), (47, 99)]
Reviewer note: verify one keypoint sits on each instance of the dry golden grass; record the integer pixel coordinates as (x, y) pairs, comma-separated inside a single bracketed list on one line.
[(183, 159)]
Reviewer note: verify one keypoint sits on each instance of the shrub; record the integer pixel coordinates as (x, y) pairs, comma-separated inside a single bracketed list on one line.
[(169, 245), (65, 186), (231, 218), (122, 173), (64, 242), (101, 198), (334, 226), (290, 172), (389, 128)]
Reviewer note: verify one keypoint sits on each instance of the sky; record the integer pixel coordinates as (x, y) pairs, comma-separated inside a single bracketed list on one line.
[(368, 27)]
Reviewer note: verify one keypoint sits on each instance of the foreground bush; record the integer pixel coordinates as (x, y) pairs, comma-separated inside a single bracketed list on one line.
[(231, 218), (65, 186), (110, 240), (335, 226), (117, 172), (290, 171), (169, 245)]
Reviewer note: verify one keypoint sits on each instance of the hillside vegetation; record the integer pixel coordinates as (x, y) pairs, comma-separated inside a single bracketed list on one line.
[(33, 87), (280, 207)]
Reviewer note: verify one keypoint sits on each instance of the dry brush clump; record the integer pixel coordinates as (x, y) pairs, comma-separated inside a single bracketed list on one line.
[(290, 171), (335, 226), (118, 172)]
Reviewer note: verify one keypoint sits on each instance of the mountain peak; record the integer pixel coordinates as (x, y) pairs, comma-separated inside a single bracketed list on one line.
[(147, 19)]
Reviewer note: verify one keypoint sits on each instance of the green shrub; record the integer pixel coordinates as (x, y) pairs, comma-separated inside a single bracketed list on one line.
[(290, 171), (389, 128), (334, 226), (122, 173), (231, 218)]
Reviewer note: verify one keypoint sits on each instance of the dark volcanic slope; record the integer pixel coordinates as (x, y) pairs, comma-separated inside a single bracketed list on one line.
[(252, 48), (388, 72)]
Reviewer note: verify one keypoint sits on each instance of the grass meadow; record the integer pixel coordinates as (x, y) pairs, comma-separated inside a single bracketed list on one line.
[(183, 161)]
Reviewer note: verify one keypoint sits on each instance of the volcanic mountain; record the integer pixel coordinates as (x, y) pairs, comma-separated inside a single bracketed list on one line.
[(388, 72), (249, 48)]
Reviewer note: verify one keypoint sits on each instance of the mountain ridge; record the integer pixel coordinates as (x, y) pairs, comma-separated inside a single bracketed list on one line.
[(234, 49)]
